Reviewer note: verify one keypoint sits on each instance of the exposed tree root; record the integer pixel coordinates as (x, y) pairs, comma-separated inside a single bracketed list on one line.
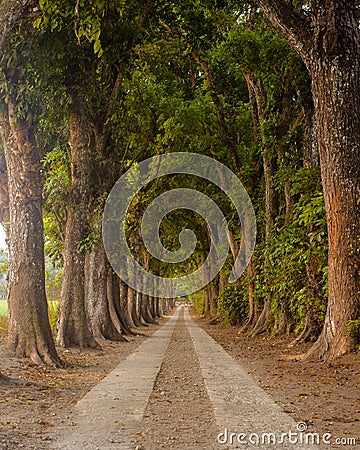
[(264, 320), (214, 321), (45, 357), (322, 350), (283, 325), (36, 348), (318, 352), (249, 325), (291, 357), (307, 334), (82, 343)]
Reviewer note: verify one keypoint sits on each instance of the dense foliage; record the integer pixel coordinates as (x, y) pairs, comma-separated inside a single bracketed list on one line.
[(206, 77)]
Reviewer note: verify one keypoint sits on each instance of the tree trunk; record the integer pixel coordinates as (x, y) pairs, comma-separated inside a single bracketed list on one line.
[(113, 294), (97, 305), (145, 309), (10, 14), (266, 318), (133, 307), (283, 324), (29, 329), (139, 301), (73, 328), (124, 309), (214, 292), (4, 193), (339, 149), (327, 41)]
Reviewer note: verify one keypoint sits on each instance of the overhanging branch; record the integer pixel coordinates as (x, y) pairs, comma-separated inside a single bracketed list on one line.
[(289, 23)]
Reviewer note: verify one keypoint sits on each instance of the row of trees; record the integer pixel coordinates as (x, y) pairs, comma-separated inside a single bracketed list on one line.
[(89, 89)]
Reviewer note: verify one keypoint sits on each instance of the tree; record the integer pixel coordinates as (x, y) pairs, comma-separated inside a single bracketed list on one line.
[(73, 328), (325, 35), (93, 77), (29, 330)]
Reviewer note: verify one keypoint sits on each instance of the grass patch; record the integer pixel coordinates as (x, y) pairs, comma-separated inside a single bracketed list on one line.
[(53, 308), (3, 308), (3, 324)]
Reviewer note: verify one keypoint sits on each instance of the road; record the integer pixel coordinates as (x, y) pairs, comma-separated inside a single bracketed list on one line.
[(179, 390)]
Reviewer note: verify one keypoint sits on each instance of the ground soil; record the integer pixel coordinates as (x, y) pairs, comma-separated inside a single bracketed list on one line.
[(37, 399)]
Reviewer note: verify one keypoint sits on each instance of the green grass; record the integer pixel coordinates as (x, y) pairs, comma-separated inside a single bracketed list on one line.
[(3, 316), (3, 308), (53, 307)]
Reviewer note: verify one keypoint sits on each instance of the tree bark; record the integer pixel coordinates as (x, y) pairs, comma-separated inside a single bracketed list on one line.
[(133, 309), (113, 294), (10, 13), (145, 310), (4, 193), (29, 329), (124, 309), (253, 301), (328, 42), (97, 304), (139, 302), (73, 328)]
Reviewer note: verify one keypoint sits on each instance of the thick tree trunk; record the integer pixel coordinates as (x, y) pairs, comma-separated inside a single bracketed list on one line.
[(328, 42), (339, 148), (113, 294), (73, 328), (138, 299), (29, 330), (266, 318), (10, 14), (283, 324), (124, 308), (133, 309), (139, 309), (97, 304), (214, 292), (145, 310)]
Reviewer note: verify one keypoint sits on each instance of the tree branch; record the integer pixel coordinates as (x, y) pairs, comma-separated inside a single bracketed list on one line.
[(120, 75), (290, 24)]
